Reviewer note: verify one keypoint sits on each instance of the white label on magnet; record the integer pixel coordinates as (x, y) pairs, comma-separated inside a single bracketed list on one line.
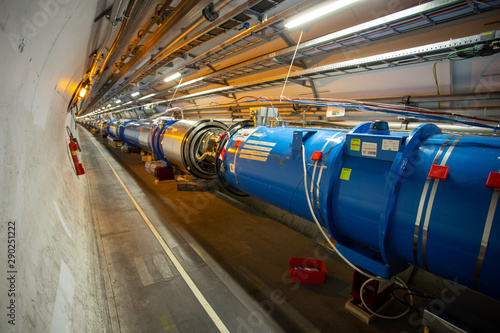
[(369, 149), (392, 145)]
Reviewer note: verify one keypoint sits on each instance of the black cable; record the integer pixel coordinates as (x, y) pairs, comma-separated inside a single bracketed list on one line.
[(463, 54), (404, 302), (410, 293), (218, 162)]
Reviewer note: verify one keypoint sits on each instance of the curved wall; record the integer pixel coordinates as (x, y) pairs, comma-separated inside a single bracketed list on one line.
[(57, 284)]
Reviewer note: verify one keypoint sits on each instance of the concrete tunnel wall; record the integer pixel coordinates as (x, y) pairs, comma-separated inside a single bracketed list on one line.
[(57, 285)]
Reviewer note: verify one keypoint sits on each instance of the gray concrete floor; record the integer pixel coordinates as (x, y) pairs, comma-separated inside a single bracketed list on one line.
[(237, 257)]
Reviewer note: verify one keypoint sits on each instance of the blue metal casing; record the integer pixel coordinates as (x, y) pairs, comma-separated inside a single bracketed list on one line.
[(373, 192), (112, 129)]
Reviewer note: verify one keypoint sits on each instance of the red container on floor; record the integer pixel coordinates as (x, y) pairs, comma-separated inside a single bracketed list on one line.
[(307, 270)]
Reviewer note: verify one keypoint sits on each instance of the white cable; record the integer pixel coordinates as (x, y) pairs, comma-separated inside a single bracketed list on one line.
[(175, 92), (312, 181), (290, 68), (321, 229), (379, 315), (277, 116)]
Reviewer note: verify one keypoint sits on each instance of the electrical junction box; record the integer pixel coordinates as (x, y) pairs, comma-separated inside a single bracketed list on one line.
[(264, 114)]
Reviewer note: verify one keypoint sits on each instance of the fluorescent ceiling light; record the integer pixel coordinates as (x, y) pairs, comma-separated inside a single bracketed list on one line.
[(148, 96), (172, 77), (118, 101), (128, 103), (109, 105), (135, 94), (316, 13)]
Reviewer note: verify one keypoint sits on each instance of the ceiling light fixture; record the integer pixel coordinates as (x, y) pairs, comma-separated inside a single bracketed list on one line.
[(135, 94), (316, 13), (150, 95), (118, 101), (172, 77), (83, 91)]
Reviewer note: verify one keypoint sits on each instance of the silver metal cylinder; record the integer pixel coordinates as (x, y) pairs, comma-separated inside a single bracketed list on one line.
[(144, 136), (190, 146)]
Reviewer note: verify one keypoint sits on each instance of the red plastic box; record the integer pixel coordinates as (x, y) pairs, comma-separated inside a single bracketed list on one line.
[(307, 270)]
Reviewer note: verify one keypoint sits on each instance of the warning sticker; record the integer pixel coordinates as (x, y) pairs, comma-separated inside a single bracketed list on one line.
[(231, 167), (345, 174), (356, 144), (244, 133), (253, 157), (264, 143), (369, 149), (254, 152), (253, 147), (392, 145)]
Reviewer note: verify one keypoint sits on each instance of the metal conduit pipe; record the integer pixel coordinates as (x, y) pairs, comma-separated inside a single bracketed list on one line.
[(182, 12), (126, 17), (410, 126), (115, 10), (437, 98), (171, 47), (485, 111), (270, 21)]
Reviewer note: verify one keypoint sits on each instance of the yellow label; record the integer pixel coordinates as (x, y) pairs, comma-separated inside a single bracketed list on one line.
[(345, 174), (356, 144)]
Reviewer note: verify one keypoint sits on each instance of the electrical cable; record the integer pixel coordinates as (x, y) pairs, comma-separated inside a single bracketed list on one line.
[(434, 74), (460, 56), (391, 109), (416, 112), (277, 116), (404, 302), (291, 64), (410, 292), (416, 295), (117, 38), (378, 278), (224, 138), (175, 92), (370, 277), (377, 314)]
